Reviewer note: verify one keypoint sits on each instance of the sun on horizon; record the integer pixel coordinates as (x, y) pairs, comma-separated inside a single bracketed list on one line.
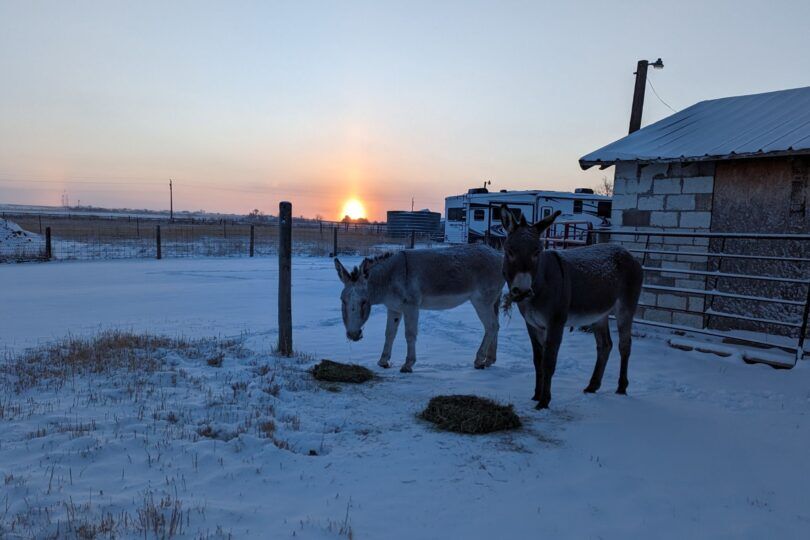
[(354, 209)]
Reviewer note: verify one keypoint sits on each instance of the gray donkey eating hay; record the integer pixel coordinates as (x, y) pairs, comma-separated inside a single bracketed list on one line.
[(435, 279), (575, 287)]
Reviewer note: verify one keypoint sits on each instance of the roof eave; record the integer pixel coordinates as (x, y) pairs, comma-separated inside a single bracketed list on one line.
[(604, 164)]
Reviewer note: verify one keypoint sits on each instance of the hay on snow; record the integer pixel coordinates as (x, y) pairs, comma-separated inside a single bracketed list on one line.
[(331, 371), (470, 414)]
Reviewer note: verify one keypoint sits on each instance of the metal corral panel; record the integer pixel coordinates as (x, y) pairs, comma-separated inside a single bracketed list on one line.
[(401, 223), (773, 123)]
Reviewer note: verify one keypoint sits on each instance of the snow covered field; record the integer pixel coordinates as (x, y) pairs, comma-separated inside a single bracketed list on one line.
[(703, 447)]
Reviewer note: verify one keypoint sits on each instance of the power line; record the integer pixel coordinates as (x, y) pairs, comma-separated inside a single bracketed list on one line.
[(659, 97), (94, 182), (124, 186)]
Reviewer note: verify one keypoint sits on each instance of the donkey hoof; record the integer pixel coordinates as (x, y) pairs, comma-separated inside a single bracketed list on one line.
[(384, 364), (406, 369), (489, 362), (541, 406), (535, 398), (480, 365), (622, 391), (591, 389)]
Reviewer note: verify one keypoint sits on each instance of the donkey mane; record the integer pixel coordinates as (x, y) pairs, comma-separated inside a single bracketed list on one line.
[(369, 263)]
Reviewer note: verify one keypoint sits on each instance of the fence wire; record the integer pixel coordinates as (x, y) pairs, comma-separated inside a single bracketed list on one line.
[(23, 238)]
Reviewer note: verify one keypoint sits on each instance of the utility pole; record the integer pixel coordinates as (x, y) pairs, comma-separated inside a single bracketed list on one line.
[(638, 92), (171, 201), (411, 204)]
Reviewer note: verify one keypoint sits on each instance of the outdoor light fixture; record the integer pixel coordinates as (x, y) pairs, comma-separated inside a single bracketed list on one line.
[(658, 64)]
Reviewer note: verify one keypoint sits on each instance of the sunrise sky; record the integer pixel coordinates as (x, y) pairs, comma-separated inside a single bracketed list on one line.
[(243, 104)]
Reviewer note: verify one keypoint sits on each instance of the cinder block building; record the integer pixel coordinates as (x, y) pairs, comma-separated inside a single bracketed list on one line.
[(731, 165)]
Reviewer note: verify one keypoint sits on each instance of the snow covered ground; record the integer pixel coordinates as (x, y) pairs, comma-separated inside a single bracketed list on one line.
[(704, 447)]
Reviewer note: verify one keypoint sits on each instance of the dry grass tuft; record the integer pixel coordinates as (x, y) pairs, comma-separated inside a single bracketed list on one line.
[(262, 370), (281, 444), (160, 517), (109, 352), (207, 431), (470, 414), (267, 428), (216, 360), (331, 371)]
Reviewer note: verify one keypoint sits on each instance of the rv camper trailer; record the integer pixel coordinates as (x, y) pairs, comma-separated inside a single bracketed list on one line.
[(476, 215)]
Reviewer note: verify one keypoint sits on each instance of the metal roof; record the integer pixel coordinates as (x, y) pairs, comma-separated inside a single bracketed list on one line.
[(744, 126), (536, 192)]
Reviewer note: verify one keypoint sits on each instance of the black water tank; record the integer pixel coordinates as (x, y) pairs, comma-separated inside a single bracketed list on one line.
[(424, 222)]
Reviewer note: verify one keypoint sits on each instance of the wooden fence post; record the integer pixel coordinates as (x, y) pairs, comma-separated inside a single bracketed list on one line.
[(285, 346), (413, 238), (252, 239), (157, 240), (48, 245), (334, 241)]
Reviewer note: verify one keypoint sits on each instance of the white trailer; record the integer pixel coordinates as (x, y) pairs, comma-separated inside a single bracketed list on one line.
[(476, 215)]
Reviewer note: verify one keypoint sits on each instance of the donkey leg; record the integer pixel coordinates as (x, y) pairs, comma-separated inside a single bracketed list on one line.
[(492, 354), (411, 329), (391, 327), (601, 331), (536, 339), (624, 320), (554, 334), (490, 322)]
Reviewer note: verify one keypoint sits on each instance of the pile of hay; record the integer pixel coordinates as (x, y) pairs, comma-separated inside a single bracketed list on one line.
[(509, 299), (331, 371), (470, 414)]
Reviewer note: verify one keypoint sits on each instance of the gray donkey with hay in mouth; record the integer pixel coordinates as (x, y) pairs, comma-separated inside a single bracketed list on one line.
[(575, 287), (408, 281)]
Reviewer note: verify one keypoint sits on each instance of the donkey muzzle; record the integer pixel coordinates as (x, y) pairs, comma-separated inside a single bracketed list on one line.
[(521, 286), (355, 336), (518, 295)]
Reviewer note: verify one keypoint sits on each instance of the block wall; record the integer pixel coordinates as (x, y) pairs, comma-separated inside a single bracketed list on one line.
[(667, 198)]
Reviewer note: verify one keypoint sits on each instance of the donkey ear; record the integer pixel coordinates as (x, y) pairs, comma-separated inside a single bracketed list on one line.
[(546, 222), (364, 268), (508, 220), (344, 275)]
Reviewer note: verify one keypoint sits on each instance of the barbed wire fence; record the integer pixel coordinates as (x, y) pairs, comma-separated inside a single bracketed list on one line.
[(84, 237)]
